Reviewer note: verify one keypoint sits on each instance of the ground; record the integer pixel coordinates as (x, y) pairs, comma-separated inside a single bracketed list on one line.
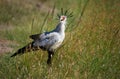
[(5, 46)]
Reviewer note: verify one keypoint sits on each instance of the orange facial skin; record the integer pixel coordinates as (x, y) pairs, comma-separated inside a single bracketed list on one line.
[(62, 18)]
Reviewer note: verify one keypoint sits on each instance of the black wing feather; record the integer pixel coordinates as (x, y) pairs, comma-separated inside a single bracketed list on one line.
[(35, 36)]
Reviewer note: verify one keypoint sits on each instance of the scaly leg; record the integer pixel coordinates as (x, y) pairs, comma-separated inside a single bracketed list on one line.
[(50, 55)]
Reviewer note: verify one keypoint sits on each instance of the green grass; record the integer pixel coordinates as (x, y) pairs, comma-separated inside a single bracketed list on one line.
[(92, 50)]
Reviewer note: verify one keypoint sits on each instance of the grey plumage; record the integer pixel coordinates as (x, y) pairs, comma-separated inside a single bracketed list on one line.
[(51, 40)]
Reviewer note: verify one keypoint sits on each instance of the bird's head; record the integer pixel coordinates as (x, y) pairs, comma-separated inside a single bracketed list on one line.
[(63, 18), (64, 15)]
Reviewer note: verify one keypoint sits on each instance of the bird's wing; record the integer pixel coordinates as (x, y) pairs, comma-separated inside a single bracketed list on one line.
[(47, 40), (39, 36), (35, 36)]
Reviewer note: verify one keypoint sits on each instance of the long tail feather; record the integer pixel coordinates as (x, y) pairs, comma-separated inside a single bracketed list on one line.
[(25, 49)]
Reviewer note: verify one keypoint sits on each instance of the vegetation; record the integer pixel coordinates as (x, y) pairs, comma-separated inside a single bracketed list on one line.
[(91, 49)]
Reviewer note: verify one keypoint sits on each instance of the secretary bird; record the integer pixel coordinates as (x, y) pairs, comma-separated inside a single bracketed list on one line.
[(48, 41)]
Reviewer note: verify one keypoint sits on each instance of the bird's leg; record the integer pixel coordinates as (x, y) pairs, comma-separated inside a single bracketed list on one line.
[(50, 55)]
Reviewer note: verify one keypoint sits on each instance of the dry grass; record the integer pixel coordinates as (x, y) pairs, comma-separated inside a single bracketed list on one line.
[(92, 50)]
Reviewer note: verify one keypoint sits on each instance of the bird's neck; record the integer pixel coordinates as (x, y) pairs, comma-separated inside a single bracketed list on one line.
[(61, 27)]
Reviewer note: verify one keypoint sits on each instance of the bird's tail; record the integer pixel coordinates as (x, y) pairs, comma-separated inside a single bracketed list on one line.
[(25, 49)]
